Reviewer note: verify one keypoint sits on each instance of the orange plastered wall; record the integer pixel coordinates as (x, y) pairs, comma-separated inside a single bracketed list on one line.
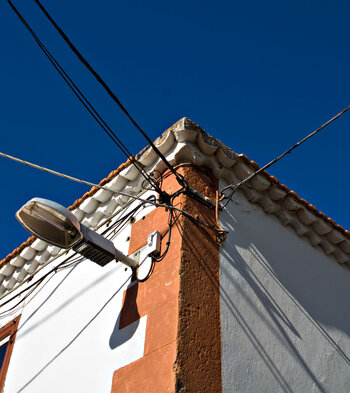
[(172, 321)]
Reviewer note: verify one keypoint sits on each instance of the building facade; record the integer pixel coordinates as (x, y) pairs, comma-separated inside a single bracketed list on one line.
[(262, 310)]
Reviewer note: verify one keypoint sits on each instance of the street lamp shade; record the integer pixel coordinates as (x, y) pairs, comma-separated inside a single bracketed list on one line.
[(53, 223), (50, 222)]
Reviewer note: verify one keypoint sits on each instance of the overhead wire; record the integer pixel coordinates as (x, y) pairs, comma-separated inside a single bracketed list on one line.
[(234, 187), (104, 126), (179, 177), (15, 308), (119, 223), (116, 140), (159, 258), (82, 98), (134, 197), (170, 225), (68, 262), (72, 178), (22, 301), (35, 284)]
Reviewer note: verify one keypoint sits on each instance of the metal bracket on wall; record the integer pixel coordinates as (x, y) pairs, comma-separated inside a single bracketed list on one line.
[(222, 233)]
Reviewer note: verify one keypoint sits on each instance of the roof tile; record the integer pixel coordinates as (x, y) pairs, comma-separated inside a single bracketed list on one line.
[(98, 204)]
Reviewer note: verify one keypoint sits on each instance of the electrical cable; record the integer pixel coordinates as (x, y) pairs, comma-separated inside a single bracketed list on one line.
[(156, 259), (150, 270), (70, 261), (81, 97), (134, 197), (38, 281), (234, 187), (14, 309), (167, 244), (77, 92), (170, 224), (121, 222), (179, 178), (77, 258), (119, 226), (75, 179)]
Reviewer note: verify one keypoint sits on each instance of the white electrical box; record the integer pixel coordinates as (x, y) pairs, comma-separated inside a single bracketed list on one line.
[(153, 243)]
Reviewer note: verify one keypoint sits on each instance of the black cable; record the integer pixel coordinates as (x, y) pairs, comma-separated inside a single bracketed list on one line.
[(75, 262), (167, 244), (68, 262), (179, 178), (234, 187), (36, 285), (156, 259), (13, 309), (38, 281), (121, 222), (118, 227), (63, 265), (150, 270), (82, 98), (171, 222)]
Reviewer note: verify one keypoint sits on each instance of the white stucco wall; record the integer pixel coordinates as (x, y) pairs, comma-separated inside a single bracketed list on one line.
[(68, 338), (284, 308)]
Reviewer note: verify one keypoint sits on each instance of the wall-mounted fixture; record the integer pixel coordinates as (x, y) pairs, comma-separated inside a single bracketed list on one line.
[(53, 223)]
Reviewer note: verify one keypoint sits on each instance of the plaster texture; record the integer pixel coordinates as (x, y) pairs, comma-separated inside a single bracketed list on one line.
[(284, 308)]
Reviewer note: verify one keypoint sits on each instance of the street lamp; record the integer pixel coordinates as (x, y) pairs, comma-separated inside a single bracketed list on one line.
[(53, 223)]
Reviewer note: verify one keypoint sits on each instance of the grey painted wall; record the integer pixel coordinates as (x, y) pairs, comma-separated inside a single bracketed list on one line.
[(284, 308)]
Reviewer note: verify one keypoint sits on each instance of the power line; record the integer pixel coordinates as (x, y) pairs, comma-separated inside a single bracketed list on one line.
[(66, 263), (78, 93), (75, 179), (118, 224), (36, 283), (74, 259), (234, 187), (84, 100), (179, 178), (134, 197)]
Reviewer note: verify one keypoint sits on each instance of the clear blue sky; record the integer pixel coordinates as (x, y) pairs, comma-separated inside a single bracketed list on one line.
[(256, 75)]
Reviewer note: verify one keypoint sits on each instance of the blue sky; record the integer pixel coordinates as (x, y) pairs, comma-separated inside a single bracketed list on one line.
[(256, 75)]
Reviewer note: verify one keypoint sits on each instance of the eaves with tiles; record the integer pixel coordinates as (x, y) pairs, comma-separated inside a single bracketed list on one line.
[(185, 142)]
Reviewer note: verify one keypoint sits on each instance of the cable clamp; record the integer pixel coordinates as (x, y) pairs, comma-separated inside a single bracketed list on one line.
[(221, 232), (200, 197)]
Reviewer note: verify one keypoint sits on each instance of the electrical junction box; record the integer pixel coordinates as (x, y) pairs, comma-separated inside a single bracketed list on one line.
[(144, 254), (153, 242)]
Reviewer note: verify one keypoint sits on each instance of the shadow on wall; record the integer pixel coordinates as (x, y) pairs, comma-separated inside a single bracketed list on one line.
[(118, 337), (286, 297)]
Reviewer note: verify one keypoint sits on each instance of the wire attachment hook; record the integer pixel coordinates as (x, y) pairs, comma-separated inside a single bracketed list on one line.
[(221, 232)]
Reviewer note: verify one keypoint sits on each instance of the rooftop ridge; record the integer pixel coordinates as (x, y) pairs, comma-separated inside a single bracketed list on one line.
[(186, 142)]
